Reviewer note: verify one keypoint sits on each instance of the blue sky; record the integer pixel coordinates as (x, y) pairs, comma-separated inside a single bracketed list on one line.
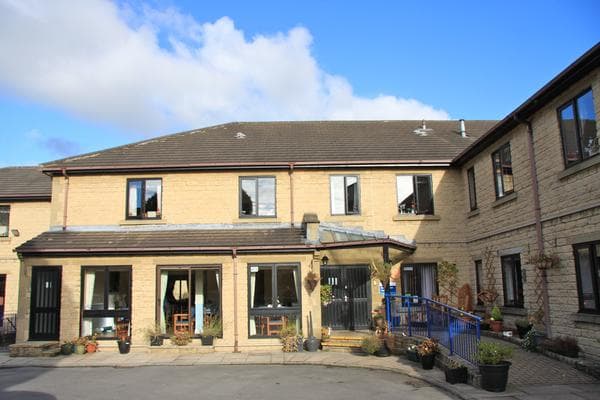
[(82, 76)]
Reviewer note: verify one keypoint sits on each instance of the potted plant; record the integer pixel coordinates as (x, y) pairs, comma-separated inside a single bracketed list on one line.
[(289, 337), (312, 343), (493, 366), (427, 350), (124, 344), (181, 338), (212, 327), (67, 347), (326, 295), (523, 326), (154, 335), (310, 281), (370, 344), (92, 345), (80, 344), (496, 319), (412, 354), (456, 372)]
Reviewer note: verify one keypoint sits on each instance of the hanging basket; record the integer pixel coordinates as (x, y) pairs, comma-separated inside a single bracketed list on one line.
[(310, 281)]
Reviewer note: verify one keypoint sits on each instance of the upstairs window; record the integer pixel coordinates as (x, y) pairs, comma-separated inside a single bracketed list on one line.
[(578, 128), (4, 214), (587, 264), (415, 194), (472, 189), (503, 175), (345, 197), (257, 196), (144, 198), (512, 280)]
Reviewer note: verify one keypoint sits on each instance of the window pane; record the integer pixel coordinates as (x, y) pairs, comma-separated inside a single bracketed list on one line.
[(507, 175), (478, 280), (472, 190), (406, 197), (248, 197), (205, 297), (261, 285), (266, 197), (498, 174), (4, 216), (152, 198), (586, 277), (509, 279), (118, 290), (93, 295), (569, 133), (287, 283), (270, 325), (352, 194), (424, 195), (337, 195), (101, 326), (134, 207), (587, 125)]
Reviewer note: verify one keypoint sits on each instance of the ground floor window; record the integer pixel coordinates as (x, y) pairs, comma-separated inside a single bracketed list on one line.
[(478, 280), (106, 308), (274, 299), (189, 297), (2, 297), (419, 280), (587, 263), (512, 280)]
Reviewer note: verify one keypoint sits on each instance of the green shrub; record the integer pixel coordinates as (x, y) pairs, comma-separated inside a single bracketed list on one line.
[(370, 344), (528, 342), (496, 314), (491, 353)]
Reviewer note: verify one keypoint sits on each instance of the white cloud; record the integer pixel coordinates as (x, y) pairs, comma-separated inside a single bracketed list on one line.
[(153, 70)]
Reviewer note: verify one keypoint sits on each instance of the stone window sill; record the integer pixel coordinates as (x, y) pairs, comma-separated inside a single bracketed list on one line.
[(415, 217), (587, 318), (505, 199), (473, 213), (143, 222), (520, 312), (4, 239), (583, 165)]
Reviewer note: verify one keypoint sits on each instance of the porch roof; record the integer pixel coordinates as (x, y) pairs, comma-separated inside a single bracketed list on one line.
[(195, 240)]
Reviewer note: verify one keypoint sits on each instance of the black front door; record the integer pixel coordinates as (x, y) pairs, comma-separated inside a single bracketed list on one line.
[(45, 303), (351, 290)]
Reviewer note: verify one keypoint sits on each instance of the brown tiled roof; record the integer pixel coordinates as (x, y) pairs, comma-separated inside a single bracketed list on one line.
[(279, 143), (24, 183), (182, 241)]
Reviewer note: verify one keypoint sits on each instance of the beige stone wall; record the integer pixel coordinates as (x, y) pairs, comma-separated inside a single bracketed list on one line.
[(143, 307), (30, 219), (570, 209)]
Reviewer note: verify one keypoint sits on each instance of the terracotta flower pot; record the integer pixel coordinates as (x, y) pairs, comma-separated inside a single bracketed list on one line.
[(91, 347), (496, 326)]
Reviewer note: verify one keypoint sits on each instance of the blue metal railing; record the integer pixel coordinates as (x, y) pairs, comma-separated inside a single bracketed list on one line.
[(457, 330)]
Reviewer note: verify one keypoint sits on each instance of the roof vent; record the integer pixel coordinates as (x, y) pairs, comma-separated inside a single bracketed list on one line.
[(240, 135), (463, 131), (423, 130)]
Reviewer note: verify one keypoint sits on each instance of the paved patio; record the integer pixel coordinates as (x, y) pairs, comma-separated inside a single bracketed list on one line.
[(532, 375)]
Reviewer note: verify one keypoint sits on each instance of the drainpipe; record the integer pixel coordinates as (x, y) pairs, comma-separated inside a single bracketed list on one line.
[(290, 173), (66, 199), (538, 220), (235, 300)]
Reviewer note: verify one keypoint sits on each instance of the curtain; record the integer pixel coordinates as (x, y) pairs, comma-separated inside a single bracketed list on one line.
[(508, 284), (218, 283), (295, 270), (133, 200), (252, 287), (164, 278), (199, 301), (158, 197), (427, 280), (88, 301)]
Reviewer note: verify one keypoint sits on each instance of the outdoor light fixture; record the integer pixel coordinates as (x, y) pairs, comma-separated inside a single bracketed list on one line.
[(15, 232), (324, 260)]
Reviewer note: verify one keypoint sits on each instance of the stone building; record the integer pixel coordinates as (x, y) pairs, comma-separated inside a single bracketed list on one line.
[(228, 222)]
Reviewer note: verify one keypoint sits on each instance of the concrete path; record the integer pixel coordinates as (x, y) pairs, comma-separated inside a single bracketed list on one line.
[(266, 382), (532, 375)]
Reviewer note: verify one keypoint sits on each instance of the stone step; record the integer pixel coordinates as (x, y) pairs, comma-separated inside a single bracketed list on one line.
[(34, 349)]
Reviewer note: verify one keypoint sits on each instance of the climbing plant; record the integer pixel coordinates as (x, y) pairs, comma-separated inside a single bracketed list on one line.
[(447, 277)]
